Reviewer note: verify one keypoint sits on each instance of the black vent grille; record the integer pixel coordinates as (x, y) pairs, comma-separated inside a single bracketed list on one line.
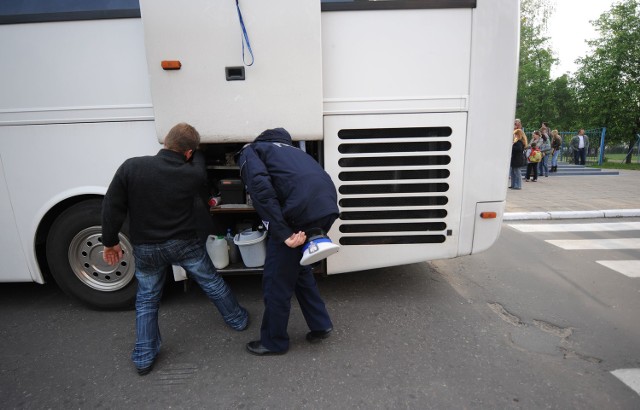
[(394, 185)]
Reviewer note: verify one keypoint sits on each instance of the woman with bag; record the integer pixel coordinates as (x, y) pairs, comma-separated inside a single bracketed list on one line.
[(545, 149)]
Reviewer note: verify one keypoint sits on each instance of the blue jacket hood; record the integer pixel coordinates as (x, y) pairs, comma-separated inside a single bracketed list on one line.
[(275, 135)]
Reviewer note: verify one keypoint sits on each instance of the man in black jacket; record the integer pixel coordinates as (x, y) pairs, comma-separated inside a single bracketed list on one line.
[(292, 194), (157, 192)]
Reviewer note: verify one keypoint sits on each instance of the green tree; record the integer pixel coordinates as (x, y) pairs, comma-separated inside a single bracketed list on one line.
[(565, 112), (608, 78), (535, 93), (539, 97)]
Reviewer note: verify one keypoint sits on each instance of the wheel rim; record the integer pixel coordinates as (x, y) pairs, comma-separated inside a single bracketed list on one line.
[(85, 258)]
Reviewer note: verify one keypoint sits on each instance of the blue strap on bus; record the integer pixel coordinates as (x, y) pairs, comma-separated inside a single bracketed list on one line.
[(245, 37)]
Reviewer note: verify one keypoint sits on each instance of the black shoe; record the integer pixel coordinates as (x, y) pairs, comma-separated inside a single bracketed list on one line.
[(317, 335), (256, 348), (145, 370)]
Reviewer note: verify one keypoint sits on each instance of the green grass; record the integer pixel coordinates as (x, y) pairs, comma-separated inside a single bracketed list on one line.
[(617, 165), (617, 161), (619, 157)]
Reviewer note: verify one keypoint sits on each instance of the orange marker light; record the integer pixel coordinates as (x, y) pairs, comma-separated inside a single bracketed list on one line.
[(488, 215), (171, 65)]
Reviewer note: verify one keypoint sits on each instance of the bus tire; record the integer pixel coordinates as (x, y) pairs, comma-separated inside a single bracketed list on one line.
[(74, 254)]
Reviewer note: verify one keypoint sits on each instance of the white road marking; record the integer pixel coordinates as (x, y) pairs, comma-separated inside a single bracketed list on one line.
[(629, 268), (578, 227), (630, 377), (584, 244)]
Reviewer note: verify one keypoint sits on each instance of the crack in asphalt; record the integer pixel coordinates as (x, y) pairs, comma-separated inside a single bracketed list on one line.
[(505, 315), (562, 332)]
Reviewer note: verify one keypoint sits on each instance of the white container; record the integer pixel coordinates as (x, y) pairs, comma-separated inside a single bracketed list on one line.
[(218, 251), (253, 247), (179, 273)]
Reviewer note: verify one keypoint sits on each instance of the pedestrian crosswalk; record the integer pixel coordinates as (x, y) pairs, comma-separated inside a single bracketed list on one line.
[(630, 268), (627, 267), (630, 377), (621, 237), (591, 244), (579, 227)]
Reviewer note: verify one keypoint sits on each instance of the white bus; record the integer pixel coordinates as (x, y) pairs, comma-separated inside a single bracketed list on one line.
[(406, 103)]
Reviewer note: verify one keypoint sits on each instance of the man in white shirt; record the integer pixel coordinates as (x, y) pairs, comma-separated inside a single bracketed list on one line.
[(580, 146)]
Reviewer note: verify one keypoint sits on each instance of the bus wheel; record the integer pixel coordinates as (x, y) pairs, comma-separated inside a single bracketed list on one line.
[(74, 253)]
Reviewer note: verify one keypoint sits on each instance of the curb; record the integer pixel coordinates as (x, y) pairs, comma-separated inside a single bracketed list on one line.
[(607, 213)]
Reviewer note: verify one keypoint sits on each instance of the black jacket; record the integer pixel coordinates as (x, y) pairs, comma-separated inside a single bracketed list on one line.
[(289, 189), (158, 194), (517, 155)]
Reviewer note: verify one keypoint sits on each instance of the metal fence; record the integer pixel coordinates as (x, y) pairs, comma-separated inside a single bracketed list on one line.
[(596, 145), (599, 151)]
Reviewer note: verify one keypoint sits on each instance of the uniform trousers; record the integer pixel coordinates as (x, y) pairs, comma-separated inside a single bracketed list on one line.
[(282, 278)]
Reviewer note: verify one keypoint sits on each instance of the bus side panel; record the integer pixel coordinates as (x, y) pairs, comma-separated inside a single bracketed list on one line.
[(14, 264), (75, 103), (492, 102), (46, 164), (396, 60), (65, 72), (399, 187)]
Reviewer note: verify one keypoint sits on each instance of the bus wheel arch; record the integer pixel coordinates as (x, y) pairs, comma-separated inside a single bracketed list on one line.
[(73, 251)]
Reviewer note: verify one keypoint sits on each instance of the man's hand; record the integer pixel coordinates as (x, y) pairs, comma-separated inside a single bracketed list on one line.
[(296, 239), (112, 254)]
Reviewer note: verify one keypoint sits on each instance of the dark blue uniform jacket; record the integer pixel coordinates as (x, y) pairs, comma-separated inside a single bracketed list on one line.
[(288, 188)]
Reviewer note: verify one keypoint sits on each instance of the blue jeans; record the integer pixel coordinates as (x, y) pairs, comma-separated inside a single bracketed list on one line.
[(554, 158), (516, 177), (543, 166), (152, 263)]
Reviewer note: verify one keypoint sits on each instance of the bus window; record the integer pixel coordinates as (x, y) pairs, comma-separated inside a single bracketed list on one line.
[(24, 11), (340, 5)]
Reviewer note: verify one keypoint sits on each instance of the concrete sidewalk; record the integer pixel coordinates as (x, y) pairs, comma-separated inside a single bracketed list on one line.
[(576, 196)]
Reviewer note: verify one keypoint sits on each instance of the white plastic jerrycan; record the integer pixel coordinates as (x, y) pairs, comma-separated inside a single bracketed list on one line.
[(218, 251)]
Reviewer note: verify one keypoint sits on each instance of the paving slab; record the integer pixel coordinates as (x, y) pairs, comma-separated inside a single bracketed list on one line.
[(607, 195)]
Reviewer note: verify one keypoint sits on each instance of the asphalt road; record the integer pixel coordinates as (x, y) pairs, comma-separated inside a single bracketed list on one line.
[(523, 325)]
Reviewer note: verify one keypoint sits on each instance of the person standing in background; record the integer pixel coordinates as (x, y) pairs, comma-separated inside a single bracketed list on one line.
[(545, 150), (556, 147), (580, 146), (535, 138), (533, 157), (518, 159)]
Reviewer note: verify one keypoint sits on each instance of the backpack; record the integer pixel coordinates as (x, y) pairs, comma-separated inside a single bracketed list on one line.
[(535, 156)]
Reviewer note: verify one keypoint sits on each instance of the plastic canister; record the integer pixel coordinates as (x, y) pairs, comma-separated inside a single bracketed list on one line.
[(218, 251)]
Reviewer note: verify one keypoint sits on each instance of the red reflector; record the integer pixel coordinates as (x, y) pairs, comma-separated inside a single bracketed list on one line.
[(488, 215), (171, 65)]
